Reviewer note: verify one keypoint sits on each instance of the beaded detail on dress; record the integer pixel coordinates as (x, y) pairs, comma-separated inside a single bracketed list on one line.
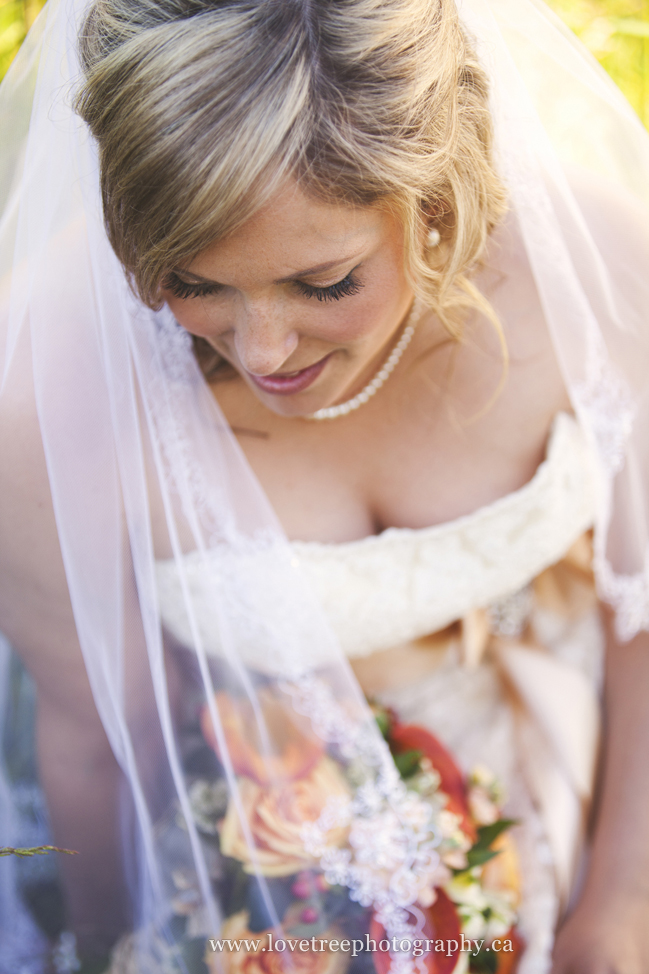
[(515, 686)]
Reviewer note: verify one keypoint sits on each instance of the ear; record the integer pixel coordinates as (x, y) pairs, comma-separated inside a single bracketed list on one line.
[(433, 213)]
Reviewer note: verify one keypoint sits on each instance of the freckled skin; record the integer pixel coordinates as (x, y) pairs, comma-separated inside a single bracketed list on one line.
[(423, 451), (409, 457), (261, 326)]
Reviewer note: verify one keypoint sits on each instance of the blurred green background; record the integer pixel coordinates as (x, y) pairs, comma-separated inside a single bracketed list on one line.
[(616, 31), (16, 17)]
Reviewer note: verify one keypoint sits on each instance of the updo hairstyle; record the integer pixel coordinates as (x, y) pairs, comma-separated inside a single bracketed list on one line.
[(202, 108)]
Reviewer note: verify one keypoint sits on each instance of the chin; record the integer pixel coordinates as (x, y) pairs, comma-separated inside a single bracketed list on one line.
[(298, 404), (290, 407)]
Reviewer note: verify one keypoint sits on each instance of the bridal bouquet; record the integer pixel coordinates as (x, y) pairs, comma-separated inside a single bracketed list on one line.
[(479, 884), (466, 902)]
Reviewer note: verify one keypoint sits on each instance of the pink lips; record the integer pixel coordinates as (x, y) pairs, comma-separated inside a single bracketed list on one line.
[(290, 382)]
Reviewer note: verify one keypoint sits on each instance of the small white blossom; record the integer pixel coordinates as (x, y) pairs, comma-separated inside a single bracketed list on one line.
[(448, 823), (482, 777), (454, 858), (483, 810)]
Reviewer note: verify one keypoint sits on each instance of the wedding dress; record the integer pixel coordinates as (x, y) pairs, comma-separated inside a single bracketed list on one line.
[(133, 457), (514, 687)]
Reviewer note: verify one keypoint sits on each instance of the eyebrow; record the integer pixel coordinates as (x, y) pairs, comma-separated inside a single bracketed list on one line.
[(318, 269)]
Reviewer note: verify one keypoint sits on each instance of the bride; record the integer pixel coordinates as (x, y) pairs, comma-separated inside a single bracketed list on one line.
[(324, 335)]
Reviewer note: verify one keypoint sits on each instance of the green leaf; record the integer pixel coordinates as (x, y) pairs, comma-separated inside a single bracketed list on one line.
[(382, 718), (95, 966), (408, 762), (487, 834), (478, 857), (485, 962), (193, 955), (177, 926), (39, 850)]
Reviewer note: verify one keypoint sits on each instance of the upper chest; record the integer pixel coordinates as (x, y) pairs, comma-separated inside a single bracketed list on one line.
[(452, 430), (441, 440)]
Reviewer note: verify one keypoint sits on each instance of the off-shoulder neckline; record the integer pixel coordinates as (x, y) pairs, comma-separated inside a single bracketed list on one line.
[(562, 424)]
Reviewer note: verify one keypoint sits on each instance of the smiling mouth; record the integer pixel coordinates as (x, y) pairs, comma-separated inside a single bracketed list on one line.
[(288, 383)]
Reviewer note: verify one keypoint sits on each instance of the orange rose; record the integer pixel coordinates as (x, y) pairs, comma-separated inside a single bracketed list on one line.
[(276, 815), (265, 961), (296, 747)]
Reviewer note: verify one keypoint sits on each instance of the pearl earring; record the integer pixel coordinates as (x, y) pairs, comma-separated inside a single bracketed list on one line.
[(433, 237)]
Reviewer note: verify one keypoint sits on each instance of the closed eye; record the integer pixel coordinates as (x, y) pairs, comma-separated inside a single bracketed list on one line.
[(334, 292), (183, 289)]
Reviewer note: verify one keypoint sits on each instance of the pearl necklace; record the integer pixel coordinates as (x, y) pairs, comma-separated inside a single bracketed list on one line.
[(386, 370)]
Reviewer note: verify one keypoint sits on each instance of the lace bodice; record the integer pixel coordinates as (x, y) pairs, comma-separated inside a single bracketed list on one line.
[(403, 584)]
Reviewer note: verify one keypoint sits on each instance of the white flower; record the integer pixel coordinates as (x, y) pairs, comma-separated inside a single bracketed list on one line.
[(483, 810), (467, 891), (448, 823), (462, 965), (416, 812), (498, 926), (427, 896), (474, 926), (482, 777), (454, 858)]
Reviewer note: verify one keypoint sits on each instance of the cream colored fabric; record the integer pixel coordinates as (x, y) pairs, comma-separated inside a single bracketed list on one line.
[(403, 584), (517, 689), (510, 677)]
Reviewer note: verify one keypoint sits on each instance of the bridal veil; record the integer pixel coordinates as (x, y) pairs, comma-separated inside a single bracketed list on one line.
[(132, 454)]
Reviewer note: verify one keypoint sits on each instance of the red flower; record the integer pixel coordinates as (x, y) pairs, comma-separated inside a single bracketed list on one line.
[(409, 737), (508, 961), (442, 924)]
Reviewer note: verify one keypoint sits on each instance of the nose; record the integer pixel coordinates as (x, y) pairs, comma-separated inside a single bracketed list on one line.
[(263, 339)]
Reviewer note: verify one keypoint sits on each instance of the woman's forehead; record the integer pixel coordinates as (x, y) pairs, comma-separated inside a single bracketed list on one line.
[(294, 233)]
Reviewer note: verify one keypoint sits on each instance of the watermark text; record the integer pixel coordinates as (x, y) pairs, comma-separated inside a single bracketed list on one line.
[(416, 948)]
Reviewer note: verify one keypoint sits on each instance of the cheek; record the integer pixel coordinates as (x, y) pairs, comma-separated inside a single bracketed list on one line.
[(375, 311), (197, 317), (352, 321), (368, 316)]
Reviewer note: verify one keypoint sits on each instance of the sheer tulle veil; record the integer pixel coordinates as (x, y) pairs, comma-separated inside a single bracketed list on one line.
[(140, 465)]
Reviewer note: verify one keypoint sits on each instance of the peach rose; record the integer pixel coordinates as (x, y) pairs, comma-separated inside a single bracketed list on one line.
[(265, 961), (502, 873), (276, 815), (296, 747)]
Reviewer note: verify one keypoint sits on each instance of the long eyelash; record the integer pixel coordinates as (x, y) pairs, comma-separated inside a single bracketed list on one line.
[(341, 289), (182, 289)]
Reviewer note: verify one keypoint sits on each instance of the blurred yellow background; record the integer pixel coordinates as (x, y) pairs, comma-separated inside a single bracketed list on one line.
[(616, 31)]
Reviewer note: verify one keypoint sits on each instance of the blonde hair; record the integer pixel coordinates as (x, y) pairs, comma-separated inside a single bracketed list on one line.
[(202, 108)]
